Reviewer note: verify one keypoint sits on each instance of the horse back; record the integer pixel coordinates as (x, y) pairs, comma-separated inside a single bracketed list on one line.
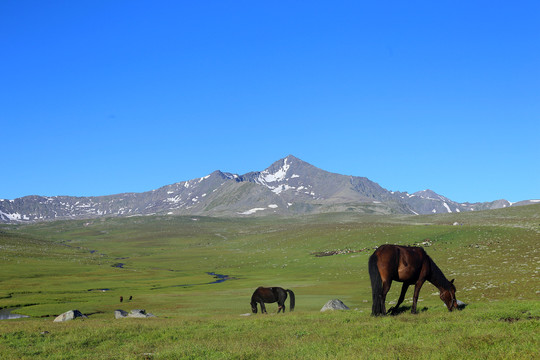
[(413, 264), (267, 294), (402, 263)]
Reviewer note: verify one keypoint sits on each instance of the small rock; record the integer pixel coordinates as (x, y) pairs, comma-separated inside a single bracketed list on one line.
[(69, 315), (119, 314), (460, 304), (335, 304), (137, 313)]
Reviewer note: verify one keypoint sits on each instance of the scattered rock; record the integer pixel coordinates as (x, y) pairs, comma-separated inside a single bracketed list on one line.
[(137, 313), (426, 242), (119, 314), (335, 304), (246, 314), (69, 315), (338, 252), (460, 304)]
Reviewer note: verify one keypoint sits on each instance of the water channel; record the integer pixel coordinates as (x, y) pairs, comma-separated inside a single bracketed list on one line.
[(219, 279), (5, 314)]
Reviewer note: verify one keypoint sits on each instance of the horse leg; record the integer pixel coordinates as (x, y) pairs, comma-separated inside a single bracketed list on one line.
[(401, 298), (417, 288), (281, 306), (386, 289), (281, 301), (263, 308)]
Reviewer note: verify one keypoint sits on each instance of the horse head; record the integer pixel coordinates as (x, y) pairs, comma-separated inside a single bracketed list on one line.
[(448, 296), (254, 307)]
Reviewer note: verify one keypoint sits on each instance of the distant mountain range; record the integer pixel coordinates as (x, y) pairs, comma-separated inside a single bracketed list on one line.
[(289, 186)]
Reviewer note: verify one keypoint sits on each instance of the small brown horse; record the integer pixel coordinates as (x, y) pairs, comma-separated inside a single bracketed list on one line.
[(271, 295), (411, 266)]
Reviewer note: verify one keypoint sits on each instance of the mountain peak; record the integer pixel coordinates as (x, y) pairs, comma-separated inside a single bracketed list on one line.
[(286, 168), (277, 171), (429, 194), (289, 159)]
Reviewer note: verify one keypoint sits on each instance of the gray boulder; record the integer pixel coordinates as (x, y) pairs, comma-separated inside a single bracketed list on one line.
[(69, 315), (460, 304), (120, 314), (335, 304), (137, 313)]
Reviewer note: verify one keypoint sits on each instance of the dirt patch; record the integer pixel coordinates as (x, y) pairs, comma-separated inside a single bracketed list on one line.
[(424, 243), (514, 319), (337, 252)]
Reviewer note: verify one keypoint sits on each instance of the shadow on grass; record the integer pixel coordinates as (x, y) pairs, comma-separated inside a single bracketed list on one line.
[(403, 309)]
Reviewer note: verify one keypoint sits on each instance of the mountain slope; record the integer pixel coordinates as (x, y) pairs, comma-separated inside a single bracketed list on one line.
[(287, 187)]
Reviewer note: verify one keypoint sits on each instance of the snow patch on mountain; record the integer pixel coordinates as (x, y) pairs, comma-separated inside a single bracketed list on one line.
[(251, 211), (174, 200), (278, 189), (279, 175)]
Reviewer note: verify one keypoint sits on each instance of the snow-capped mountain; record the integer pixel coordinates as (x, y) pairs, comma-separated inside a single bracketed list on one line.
[(289, 186)]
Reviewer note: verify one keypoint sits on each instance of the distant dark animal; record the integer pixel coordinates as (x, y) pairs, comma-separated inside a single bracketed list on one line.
[(121, 298), (130, 298), (411, 266), (271, 295)]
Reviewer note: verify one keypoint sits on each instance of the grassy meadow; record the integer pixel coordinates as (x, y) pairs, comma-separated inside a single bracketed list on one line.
[(163, 263)]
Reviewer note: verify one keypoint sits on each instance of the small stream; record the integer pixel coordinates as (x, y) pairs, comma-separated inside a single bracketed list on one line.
[(5, 314), (219, 279)]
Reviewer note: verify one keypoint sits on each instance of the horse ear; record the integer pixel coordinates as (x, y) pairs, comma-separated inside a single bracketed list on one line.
[(452, 281)]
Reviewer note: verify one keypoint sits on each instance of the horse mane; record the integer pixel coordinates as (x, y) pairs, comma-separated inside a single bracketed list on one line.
[(437, 277)]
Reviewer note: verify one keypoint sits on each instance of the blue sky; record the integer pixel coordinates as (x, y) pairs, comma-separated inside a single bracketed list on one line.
[(104, 97)]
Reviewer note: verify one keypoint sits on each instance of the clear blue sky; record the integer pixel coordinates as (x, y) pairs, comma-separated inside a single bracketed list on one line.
[(104, 97)]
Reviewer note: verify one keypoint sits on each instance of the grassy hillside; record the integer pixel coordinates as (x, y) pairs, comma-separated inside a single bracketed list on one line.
[(164, 261)]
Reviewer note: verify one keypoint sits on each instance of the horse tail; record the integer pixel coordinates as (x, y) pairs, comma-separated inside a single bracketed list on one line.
[(291, 299), (376, 286)]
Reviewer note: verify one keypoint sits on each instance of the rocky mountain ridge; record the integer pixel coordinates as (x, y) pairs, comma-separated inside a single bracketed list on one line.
[(289, 186)]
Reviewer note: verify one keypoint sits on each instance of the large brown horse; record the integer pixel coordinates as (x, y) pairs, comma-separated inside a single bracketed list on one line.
[(270, 295), (411, 266)]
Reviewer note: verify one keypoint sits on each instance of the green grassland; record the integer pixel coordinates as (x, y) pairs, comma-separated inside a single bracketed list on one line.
[(49, 268)]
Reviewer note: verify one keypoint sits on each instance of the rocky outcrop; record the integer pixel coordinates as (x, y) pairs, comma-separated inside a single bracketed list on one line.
[(335, 304)]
